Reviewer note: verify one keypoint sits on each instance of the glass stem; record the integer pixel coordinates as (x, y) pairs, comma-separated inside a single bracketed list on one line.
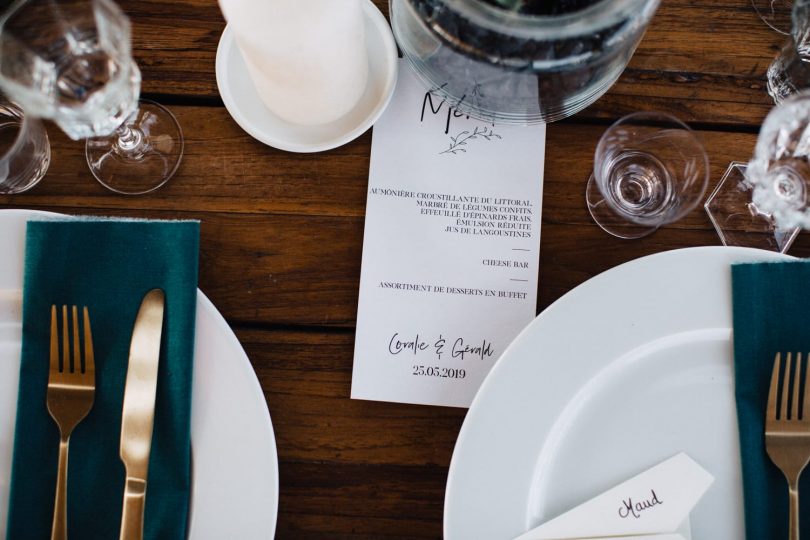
[(130, 140)]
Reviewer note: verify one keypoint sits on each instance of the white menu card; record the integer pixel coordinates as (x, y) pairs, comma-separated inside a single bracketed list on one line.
[(451, 249)]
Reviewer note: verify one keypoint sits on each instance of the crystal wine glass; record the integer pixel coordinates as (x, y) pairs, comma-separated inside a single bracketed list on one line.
[(764, 204), (775, 13), (790, 71), (71, 61), (780, 169), (649, 170)]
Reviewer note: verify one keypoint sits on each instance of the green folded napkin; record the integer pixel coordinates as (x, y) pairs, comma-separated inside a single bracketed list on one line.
[(108, 266), (771, 314)]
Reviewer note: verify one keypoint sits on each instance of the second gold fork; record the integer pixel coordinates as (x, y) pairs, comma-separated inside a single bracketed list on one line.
[(787, 428), (71, 391)]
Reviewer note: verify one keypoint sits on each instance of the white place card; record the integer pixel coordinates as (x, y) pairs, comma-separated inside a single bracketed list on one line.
[(451, 248), (654, 505)]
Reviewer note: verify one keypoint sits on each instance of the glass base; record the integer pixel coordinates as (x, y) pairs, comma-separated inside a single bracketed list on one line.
[(141, 157), (608, 219), (775, 13), (738, 221)]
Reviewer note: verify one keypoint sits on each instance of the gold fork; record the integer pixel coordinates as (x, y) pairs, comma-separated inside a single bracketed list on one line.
[(71, 389), (787, 429)]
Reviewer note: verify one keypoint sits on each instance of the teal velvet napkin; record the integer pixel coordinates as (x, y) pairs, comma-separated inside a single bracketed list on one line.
[(108, 266), (771, 314)]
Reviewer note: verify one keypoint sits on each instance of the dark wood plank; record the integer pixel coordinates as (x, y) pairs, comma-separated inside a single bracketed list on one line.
[(704, 61), (306, 377), (224, 170), (360, 502), (282, 233), (270, 269), (348, 469)]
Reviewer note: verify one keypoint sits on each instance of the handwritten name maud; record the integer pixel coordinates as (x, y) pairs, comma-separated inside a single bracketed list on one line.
[(634, 508)]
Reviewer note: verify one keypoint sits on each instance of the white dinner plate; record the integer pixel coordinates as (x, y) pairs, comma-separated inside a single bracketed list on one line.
[(234, 462), (248, 110), (624, 371)]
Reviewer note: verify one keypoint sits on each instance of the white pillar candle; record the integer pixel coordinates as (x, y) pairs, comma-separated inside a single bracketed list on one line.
[(307, 58)]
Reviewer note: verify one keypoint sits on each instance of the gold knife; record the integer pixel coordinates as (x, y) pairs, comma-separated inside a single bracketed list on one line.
[(139, 410)]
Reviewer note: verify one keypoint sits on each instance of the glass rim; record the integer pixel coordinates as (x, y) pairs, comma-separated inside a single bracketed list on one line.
[(597, 16), (27, 123), (654, 117)]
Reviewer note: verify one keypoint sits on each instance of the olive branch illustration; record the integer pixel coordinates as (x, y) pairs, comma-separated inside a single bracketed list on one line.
[(460, 140)]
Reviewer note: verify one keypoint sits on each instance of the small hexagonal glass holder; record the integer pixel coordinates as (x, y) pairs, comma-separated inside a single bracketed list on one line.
[(738, 221)]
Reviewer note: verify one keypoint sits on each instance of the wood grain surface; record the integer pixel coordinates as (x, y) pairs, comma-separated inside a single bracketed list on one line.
[(282, 240)]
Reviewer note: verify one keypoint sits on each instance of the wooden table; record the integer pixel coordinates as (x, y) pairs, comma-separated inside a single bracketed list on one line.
[(282, 236)]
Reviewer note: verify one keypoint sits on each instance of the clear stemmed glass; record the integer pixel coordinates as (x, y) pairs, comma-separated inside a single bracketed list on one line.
[(790, 71), (71, 61), (775, 13), (764, 204), (780, 169), (649, 170)]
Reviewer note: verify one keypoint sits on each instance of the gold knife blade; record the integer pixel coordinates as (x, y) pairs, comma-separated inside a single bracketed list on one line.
[(139, 410)]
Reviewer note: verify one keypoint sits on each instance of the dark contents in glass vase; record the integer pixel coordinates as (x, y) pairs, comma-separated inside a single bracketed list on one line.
[(542, 7), (489, 70), (510, 51)]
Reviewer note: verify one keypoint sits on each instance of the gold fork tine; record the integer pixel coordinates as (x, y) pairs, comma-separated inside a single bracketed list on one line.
[(54, 341), (797, 379), (806, 406), (65, 341), (89, 359), (77, 355), (786, 387), (772, 393)]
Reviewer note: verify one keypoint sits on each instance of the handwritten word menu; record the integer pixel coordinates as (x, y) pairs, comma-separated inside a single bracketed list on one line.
[(451, 248)]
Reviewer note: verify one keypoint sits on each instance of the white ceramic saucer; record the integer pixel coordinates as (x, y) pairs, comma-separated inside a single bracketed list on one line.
[(246, 107)]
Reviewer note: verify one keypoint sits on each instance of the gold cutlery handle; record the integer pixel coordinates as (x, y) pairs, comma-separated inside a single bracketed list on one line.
[(132, 517), (794, 511), (59, 528)]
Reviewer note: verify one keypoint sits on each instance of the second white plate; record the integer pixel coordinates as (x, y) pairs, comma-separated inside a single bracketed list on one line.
[(624, 371)]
